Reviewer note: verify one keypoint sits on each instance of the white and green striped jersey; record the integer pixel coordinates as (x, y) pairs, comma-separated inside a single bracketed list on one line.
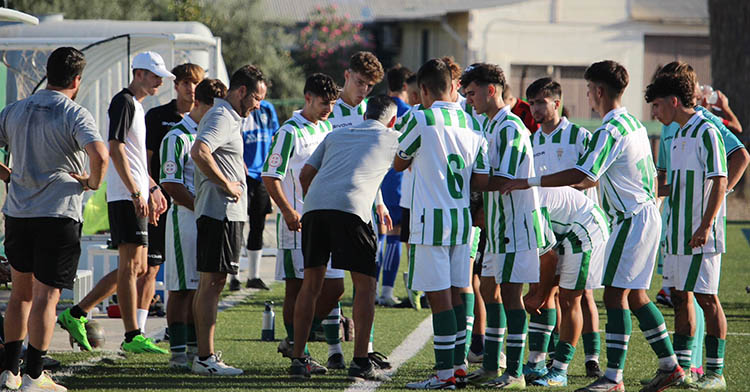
[(560, 150), (344, 115), (292, 145), (698, 153), (176, 164), (407, 180), (578, 223), (619, 157), (446, 147), (514, 222)]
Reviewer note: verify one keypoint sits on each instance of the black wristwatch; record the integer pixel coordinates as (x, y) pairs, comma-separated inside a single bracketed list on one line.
[(136, 195)]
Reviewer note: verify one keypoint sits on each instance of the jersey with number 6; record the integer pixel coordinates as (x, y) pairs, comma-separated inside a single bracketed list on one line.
[(619, 157), (446, 147), (514, 222), (698, 153), (292, 145)]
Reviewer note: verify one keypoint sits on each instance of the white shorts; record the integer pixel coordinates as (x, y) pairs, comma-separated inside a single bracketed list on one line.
[(517, 267), (697, 273), (631, 250), (581, 271), (180, 258), (290, 264), (435, 268)]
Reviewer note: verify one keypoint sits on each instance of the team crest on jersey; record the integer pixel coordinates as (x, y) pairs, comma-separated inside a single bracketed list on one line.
[(559, 153), (170, 167), (274, 160)]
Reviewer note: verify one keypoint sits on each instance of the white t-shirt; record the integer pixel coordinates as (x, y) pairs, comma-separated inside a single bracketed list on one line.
[(176, 164), (445, 148), (698, 153), (292, 145), (127, 124)]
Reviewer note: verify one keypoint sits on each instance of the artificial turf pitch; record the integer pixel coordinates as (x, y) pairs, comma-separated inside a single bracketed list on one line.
[(239, 328)]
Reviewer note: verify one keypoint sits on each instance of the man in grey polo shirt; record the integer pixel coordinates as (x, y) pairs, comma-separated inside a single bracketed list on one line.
[(50, 136), (341, 180), (220, 205)]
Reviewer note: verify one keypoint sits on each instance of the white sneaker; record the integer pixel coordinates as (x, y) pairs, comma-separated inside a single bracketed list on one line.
[(474, 358), (41, 384), (214, 366), (388, 301), (433, 383), (503, 361), (179, 361), (8, 380)]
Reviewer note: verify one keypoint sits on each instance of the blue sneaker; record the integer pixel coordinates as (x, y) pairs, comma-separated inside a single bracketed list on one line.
[(553, 378), (533, 371)]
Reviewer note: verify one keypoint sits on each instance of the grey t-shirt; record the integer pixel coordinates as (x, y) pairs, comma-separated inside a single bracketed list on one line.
[(351, 164), (46, 134), (221, 130)]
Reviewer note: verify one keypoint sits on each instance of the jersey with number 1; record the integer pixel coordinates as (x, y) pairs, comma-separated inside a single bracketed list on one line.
[(619, 157), (446, 147), (291, 146)]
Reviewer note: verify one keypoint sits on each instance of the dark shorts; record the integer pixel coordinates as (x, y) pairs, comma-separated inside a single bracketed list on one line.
[(47, 247), (156, 240), (480, 253), (125, 226), (258, 206), (219, 244), (341, 236), (405, 217)]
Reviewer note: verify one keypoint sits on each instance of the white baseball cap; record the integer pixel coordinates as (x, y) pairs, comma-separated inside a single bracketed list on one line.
[(153, 62)]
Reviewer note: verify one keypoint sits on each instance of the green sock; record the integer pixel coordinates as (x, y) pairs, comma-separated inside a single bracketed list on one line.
[(683, 348), (619, 327), (444, 339), (516, 340), (591, 343), (554, 339), (191, 338), (290, 335), (460, 351), (468, 299), (331, 327), (177, 338), (651, 322), (540, 329), (715, 348), (493, 336), (563, 355)]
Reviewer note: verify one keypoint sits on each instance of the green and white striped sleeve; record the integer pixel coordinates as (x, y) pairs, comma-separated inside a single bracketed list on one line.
[(598, 156), (713, 153), (410, 140), (173, 153), (480, 164), (510, 150), (282, 146)]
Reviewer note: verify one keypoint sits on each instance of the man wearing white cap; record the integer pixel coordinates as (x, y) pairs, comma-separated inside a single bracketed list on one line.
[(133, 196)]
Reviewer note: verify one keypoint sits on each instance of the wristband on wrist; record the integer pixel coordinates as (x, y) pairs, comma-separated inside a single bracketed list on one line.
[(534, 181), (153, 189), (136, 195)]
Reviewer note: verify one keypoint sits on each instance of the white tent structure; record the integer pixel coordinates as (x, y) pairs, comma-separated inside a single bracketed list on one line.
[(109, 46), (9, 15)]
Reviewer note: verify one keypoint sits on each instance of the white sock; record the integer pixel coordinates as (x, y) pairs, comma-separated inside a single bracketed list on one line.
[(335, 349), (536, 356), (559, 365), (592, 357), (253, 261), (668, 363), (369, 348), (387, 292), (613, 374), (141, 315)]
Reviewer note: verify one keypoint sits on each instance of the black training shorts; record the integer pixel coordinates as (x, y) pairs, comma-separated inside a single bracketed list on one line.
[(219, 244), (125, 226), (343, 237)]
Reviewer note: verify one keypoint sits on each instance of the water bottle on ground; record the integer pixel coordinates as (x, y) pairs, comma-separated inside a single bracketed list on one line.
[(269, 323)]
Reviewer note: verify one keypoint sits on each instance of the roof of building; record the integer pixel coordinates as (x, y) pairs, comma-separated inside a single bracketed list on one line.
[(690, 12)]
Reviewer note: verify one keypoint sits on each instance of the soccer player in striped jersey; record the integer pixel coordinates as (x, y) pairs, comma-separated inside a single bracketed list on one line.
[(696, 222), (582, 230), (176, 177), (558, 146), (292, 145), (364, 72), (514, 224), (619, 156), (448, 155)]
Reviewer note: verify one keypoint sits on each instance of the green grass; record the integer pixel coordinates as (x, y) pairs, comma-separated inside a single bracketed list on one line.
[(238, 336)]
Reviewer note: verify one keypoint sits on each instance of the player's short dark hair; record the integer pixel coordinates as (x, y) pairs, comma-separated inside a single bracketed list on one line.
[(453, 66), (188, 71), (411, 80), (367, 65), (547, 87), (435, 76), (397, 77), (322, 85), (613, 76), (248, 76), (678, 68), (63, 65), (667, 85), (208, 89), (380, 107), (483, 74)]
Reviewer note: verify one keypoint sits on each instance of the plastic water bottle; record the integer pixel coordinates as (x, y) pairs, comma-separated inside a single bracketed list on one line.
[(269, 323)]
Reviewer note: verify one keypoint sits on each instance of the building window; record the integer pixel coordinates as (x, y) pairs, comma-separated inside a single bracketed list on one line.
[(425, 45)]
